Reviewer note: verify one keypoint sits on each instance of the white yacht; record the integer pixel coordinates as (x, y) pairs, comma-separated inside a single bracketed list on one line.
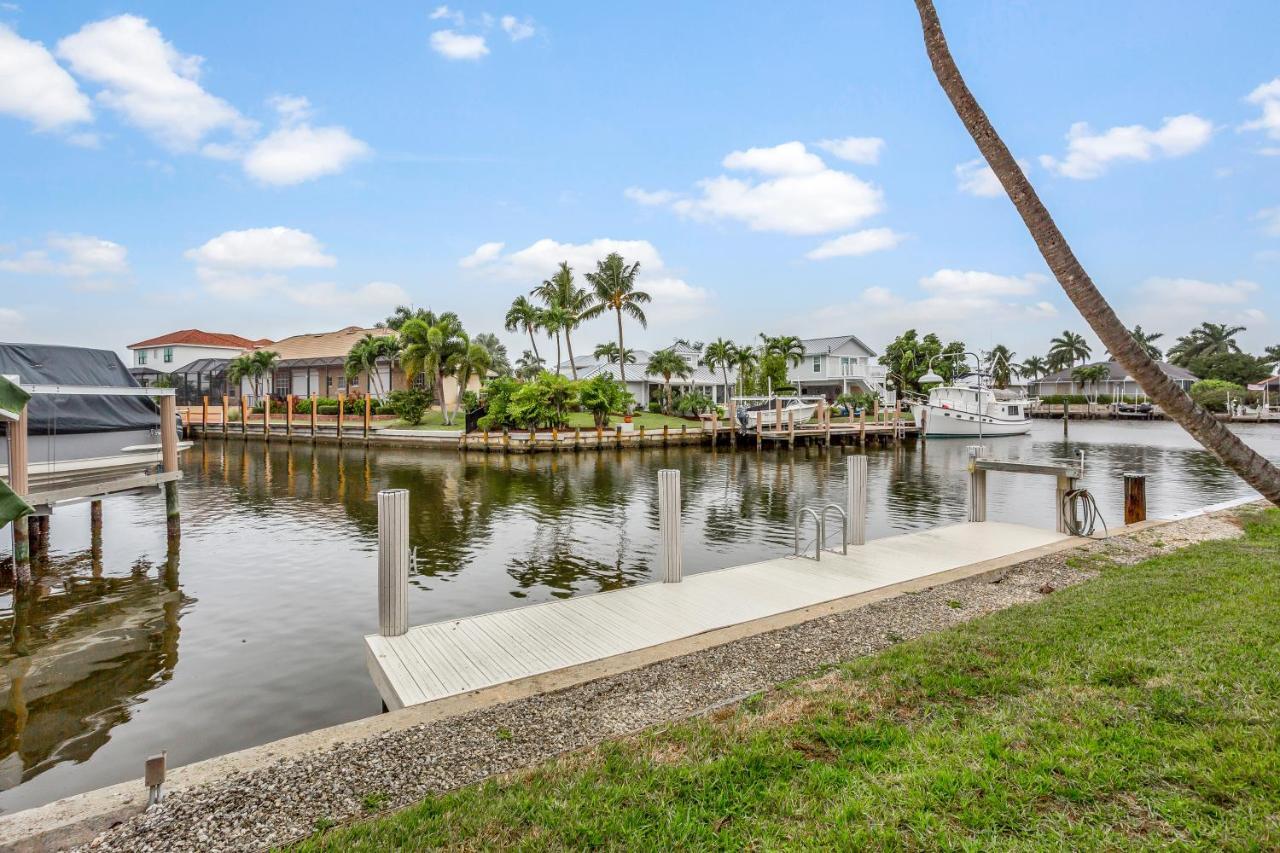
[(970, 408), (765, 411)]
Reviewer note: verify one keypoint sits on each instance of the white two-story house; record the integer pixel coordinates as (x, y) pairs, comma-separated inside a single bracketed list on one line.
[(167, 353), (835, 366)]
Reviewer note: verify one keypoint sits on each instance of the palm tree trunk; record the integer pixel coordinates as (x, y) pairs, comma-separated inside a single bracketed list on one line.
[(568, 343), (444, 406), (557, 353), (536, 357), (1252, 467), (622, 351)]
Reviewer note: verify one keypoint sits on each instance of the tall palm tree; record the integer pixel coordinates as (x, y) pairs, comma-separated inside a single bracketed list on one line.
[(787, 346), (722, 354), (1079, 287), (614, 289), (1000, 362), (499, 362), (747, 358), (1068, 348), (264, 362), (402, 315), (553, 323), (365, 355), (609, 352), (469, 359), (559, 292), (524, 316), (1205, 339), (528, 366), (432, 348), (1033, 367), (667, 364), (1273, 355), (1147, 341)]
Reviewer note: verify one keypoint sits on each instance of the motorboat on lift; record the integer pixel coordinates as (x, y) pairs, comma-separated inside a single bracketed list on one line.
[(970, 407), (764, 411)]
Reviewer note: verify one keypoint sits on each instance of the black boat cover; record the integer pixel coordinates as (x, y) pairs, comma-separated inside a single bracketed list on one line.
[(50, 414)]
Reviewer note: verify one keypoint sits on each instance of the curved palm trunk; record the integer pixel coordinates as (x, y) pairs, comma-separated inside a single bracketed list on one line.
[(622, 350), (568, 344), (536, 357), (1252, 467), (444, 407)]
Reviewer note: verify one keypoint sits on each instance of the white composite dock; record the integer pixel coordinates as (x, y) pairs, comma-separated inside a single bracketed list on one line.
[(431, 662)]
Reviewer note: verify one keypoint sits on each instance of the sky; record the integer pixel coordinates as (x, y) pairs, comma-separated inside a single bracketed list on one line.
[(268, 169)]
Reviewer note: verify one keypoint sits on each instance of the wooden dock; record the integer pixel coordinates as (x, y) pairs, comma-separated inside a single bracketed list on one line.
[(431, 662)]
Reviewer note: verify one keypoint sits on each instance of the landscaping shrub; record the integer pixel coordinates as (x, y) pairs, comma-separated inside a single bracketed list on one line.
[(601, 395), (410, 405), (303, 406), (693, 403), (543, 402), (1213, 393), (655, 407)]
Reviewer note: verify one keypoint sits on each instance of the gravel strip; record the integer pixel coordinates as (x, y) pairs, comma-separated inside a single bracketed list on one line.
[(284, 802)]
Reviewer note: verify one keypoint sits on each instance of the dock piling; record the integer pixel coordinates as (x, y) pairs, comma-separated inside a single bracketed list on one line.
[(169, 463), (669, 525), (393, 562), (1135, 498), (17, 434), (977, 485), (856, 499)]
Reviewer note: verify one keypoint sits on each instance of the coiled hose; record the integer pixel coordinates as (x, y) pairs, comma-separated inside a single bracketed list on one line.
[(1080, 513)]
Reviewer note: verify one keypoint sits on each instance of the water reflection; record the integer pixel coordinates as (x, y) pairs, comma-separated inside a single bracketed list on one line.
[(279, 548), (83, 650)]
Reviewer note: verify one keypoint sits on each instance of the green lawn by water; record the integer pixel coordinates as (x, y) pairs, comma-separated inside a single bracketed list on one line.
[(648, 420), (1139, 710)]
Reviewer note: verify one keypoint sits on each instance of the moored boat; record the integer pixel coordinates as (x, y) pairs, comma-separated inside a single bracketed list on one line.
[(971, 408), (764, 411)]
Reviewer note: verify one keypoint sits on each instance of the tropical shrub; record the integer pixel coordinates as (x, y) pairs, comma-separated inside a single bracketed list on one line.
[(601, 395), (693, 403), (543, 402), (1213, 393), (409, 404), (496, 395), (327, 410), (655, 407), (470, 401)]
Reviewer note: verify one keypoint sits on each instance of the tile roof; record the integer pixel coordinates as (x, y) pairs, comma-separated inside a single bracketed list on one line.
[(330, 345), (1119, 374), (197, 337)]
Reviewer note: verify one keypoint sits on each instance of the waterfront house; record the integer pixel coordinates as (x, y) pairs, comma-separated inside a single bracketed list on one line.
[(192, 361), (646, 387), (1117, 384), (837, 365)]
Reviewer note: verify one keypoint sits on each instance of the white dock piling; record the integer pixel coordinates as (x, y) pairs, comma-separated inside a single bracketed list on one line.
[(393, 562), (669, 525), (856, 499), (977, 485)]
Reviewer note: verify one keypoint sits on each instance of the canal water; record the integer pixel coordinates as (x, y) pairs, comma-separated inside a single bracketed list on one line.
[(252, 630)]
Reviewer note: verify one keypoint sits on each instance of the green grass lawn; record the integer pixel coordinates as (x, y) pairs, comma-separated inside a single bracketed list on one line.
[(431, 420), (646, 419), (1141, 709)]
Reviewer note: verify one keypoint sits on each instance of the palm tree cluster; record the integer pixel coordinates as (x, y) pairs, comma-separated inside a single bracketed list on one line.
[(252, 366), (565, 306), (1205, 339)]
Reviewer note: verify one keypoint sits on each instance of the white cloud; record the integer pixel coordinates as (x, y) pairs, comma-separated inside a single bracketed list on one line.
[(518, 30), (483, 254), (799, 196), (1270, 219), (975, 177), (148, 81), (1267, 97), (10, 318), (858, 243), (655, 198), (454, 45), (674, 300), (789, 158), (1186, 291), (864, 150), (1090, 154), (34, 87), (294, 154), (444, 13), (274, 248), (73, 255), (977, 283)]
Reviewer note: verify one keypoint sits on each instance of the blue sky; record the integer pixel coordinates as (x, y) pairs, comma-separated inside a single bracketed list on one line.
[(269, 169)]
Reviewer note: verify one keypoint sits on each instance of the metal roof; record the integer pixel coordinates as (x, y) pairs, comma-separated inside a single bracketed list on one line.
[(824, 345)]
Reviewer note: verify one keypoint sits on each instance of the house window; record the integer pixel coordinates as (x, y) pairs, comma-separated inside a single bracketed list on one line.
[(817, 364), (142, 356), (168, 355)]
